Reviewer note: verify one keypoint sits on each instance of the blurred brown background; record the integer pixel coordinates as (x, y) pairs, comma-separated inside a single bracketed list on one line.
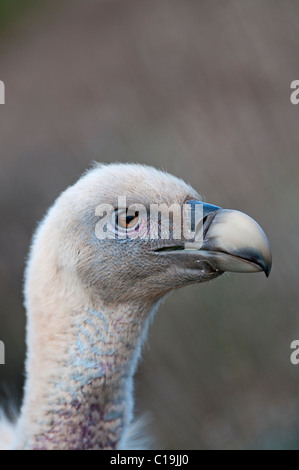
[(200, 88)]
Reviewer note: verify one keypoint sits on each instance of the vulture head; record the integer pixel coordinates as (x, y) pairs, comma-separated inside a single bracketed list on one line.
[(110, 248), (126, 255)]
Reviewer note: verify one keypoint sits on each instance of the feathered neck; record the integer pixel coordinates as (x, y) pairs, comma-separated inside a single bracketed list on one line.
[(81, 398), (81, 356)]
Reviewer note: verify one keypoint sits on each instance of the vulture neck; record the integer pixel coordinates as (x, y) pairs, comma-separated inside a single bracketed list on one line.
[(82, 355)]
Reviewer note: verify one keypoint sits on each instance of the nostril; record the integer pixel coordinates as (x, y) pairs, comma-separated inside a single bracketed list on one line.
[(206, 222), (205, 225)]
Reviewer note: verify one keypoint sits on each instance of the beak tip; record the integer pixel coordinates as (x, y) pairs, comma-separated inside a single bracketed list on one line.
[(266, 262), (267, 269)]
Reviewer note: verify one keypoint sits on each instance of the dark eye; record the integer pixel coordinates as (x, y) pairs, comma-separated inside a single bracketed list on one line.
[(127, 221)]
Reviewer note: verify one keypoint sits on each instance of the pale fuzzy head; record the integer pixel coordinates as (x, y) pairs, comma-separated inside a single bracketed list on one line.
[(116, 270)]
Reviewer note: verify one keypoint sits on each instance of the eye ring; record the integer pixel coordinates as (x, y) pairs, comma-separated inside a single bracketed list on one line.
[(126, 220)]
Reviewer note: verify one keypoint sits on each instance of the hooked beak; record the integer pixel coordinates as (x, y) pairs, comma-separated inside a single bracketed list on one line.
[(232, 241)]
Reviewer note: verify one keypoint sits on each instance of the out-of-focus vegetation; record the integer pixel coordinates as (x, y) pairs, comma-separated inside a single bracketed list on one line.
[(12, 10)]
